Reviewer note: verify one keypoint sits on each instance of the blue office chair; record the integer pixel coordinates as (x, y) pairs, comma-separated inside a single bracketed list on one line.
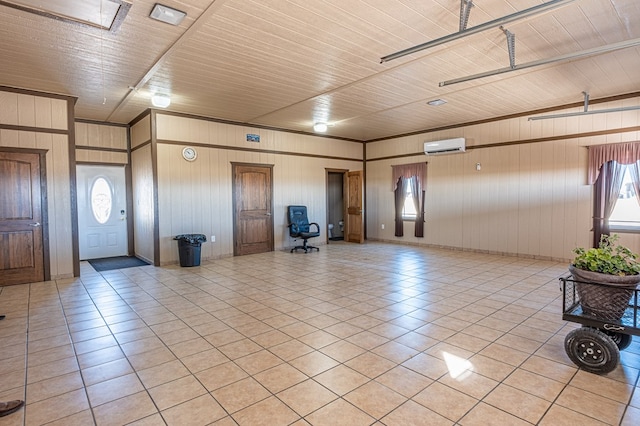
[(299, 227)]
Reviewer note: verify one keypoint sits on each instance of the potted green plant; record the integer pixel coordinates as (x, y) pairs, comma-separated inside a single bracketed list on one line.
[(617, 271)]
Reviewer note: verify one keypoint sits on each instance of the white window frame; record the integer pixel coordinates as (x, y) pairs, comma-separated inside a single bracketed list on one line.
[(630, 197), (410, 213)]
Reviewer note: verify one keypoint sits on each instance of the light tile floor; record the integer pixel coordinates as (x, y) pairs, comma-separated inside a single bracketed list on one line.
[(351, 335)]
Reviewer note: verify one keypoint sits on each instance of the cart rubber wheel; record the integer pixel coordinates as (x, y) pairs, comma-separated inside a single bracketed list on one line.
[(620, 339), (592, 350)]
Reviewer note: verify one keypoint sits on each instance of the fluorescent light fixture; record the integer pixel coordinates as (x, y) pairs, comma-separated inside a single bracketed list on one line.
[(160, 101), (562, 58), (167, 14), (577, 114), (437, 102), (320, 127), (586, 111), (482, 27)]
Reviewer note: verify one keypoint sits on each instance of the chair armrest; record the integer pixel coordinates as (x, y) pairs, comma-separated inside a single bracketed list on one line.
[(293, 228), (317, 226)]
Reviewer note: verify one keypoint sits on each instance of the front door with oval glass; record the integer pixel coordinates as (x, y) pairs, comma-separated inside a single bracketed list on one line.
[(102, 214)]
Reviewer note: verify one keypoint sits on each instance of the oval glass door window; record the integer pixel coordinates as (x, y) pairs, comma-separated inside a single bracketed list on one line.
[(101, 200)]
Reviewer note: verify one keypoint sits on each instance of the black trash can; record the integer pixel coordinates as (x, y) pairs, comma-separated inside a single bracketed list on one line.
[(189, 246)]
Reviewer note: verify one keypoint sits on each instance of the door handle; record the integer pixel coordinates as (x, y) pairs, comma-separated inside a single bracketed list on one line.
[(268, 214), (35, 225)]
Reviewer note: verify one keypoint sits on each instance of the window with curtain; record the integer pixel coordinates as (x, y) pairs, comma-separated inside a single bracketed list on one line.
[(614, 170), (408, 184)]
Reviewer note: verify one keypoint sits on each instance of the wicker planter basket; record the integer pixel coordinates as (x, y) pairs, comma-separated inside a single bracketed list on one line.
[(606, 302)]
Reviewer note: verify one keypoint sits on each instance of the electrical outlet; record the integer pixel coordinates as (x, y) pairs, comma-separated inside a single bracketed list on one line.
[(382, 226), (213, 238)]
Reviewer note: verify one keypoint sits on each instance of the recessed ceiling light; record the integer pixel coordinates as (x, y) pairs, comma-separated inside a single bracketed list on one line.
[(160, 101), (167, 14), (437, 102), (320, 127)]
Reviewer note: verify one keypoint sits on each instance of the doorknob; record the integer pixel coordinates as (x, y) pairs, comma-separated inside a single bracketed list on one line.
[(268, 214), (35, 224)]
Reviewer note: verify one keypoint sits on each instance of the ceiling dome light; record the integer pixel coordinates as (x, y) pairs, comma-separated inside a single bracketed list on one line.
[(160, 101), (320, 127)]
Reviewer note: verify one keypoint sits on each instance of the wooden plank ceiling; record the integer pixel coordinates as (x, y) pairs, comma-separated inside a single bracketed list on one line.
[(290, 63)]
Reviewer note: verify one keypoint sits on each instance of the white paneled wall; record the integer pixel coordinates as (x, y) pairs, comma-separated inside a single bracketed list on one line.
[(196, 197), (30, 111), (21, 109), (528, 199), (143, 203), (141, 131), (99, 136), (193, 130), (143, 190)]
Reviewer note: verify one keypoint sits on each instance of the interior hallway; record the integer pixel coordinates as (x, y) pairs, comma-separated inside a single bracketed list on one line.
[(351, 335)]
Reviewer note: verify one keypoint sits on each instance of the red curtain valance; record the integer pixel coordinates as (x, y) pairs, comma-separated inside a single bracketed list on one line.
[(407, 170), (623, 153)]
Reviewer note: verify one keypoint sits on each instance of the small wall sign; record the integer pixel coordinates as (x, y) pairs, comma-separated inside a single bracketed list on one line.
[(253, 138)]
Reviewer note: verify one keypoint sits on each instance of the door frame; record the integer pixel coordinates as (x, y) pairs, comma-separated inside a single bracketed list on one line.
[(127, 196), (44, 206), (344, 172), (234, 166)]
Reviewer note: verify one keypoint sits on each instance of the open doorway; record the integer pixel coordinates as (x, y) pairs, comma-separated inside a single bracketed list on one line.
[(335, 204)]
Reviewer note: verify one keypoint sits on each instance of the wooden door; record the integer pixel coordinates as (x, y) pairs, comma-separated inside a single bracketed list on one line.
[(253, 209), (21, 219), (354, 225)]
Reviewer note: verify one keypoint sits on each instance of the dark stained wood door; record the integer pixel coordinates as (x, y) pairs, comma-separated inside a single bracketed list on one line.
[(354, 225), (21, 219), (253, 209)]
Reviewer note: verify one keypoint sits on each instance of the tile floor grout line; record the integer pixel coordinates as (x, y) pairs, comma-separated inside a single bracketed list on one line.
[(118, 344), (147, 390), (376, 311)]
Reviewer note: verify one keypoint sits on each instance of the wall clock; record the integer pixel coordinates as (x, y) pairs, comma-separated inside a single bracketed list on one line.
[(189, 153)]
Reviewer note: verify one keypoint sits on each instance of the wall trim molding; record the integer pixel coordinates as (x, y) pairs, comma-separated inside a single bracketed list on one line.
[(104, 149), (99, 163), (471, 250), (511, 116), (256, 126), (261, 151), (525, 141), (100, 123), (38, 93), (34, 129)]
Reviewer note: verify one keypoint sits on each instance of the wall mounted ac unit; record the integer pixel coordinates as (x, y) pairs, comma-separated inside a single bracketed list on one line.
[(447, 146)]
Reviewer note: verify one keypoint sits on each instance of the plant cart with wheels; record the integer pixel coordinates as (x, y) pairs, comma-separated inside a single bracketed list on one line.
[(609, 318)]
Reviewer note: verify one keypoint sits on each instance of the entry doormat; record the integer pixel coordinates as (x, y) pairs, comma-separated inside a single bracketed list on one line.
[(120, 262)]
